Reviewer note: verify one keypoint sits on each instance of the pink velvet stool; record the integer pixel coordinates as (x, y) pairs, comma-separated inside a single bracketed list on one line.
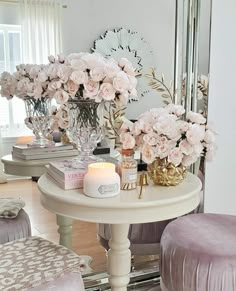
[(15, 228), (144, 237), (198, 253)]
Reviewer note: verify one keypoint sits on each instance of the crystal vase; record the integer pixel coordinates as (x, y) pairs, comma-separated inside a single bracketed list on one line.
[(85, 129), (166, 174), (39, 120)]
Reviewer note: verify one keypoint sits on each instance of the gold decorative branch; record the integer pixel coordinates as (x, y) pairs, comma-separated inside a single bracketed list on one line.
[(113, 116), (159, 85)]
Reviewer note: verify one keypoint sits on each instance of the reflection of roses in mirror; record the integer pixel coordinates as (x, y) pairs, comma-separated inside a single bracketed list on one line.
[(60, 118), (164, 133)]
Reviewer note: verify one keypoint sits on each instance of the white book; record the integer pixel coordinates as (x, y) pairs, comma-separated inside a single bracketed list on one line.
[(46, 155), (25, 149)]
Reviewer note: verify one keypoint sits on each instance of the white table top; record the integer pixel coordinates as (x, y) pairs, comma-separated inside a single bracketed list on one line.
[(158, 202)]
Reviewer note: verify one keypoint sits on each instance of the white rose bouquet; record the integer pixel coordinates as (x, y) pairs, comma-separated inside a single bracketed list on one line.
[(87, 76), (28, 82), (164, 133), (77, 76), (31, 83)]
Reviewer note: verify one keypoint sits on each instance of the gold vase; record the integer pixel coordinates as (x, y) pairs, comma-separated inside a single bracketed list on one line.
[(166, 174)]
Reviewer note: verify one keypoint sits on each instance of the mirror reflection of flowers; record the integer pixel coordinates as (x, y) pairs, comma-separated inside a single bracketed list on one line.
[(164, 133), (61, 122), (202, 93), (202, 86), (60, 118)]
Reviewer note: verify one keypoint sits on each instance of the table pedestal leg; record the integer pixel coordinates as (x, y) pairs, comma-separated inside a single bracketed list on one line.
[(119, 257), (65, 231)]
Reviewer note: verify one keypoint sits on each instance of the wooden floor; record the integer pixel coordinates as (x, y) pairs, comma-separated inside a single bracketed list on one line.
[(43, 222)]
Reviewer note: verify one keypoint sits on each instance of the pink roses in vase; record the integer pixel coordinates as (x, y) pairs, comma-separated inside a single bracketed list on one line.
[(88, 76), (165, 134)]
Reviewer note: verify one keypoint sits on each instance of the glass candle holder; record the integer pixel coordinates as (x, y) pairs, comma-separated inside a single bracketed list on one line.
[(101, 180)]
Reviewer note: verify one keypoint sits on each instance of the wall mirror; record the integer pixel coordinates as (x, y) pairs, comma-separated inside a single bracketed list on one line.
[(171, 36)]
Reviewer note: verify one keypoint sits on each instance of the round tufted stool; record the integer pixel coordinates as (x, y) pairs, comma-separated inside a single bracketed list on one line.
[(198, 253), (144, 237), (15, 228)]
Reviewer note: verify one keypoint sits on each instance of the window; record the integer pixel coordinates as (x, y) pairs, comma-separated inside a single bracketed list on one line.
[(12, 113)]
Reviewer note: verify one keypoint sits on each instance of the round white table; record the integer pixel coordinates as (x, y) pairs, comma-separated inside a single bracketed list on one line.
[(157, 203)]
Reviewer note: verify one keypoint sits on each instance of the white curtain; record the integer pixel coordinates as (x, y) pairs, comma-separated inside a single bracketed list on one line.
[(3, 178), (41, 29)]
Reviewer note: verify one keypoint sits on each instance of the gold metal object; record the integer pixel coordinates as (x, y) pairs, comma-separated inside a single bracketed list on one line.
[(140, 193), (166, 174), (142, 182), (144, 179)]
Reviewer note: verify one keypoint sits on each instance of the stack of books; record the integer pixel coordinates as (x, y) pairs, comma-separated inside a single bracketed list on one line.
[(65, 175), (25, 152)]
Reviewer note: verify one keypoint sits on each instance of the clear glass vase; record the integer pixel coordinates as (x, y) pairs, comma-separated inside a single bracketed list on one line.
[(39, 120), (85, 129)]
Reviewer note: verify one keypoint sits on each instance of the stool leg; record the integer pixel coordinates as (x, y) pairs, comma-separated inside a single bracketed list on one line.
[(65, 231), (119, 257)]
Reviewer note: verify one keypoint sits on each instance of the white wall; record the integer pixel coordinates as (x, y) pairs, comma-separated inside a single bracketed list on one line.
[(221, 173), (85, 20)]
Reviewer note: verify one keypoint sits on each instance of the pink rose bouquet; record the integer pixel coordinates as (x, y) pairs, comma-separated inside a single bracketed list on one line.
[(28, 82), (84, 76), (76, 76), (164, 133)]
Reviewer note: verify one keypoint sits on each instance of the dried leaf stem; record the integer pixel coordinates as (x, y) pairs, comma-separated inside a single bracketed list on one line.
[(113, 119), (160, 86)]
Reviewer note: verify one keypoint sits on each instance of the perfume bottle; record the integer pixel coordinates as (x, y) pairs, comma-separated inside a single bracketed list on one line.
[(128, 170)]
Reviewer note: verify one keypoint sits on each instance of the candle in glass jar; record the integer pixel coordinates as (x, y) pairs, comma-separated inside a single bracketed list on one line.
[(101, 180)]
